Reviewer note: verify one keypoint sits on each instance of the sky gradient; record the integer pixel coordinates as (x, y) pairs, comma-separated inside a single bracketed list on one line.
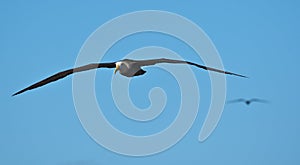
[(259, 39)]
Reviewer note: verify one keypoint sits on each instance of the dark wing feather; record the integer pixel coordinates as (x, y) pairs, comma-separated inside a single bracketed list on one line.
[(235, 101), (65, 73), (259, 100), (213, 69), (165, 60)]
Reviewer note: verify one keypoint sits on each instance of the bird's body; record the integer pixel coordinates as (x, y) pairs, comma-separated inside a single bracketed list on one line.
[(129, 68), (126, 67), (247, 101)]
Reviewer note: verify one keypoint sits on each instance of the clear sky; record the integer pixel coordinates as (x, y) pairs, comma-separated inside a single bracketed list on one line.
[(259, 39)]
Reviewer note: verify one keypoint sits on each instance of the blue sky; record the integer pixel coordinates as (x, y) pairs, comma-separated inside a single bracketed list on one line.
[(257, 38)]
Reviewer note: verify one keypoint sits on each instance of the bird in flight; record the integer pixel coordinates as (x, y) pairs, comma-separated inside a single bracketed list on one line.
[(248, 101), (126, 67)]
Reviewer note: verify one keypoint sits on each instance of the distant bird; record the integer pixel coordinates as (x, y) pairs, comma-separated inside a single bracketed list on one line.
[(126, 67), (248, 102)]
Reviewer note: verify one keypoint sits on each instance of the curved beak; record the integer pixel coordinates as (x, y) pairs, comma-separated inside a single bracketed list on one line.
[(117, 68)]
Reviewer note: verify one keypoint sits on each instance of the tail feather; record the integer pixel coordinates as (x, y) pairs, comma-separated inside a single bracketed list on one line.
[(140, 72)]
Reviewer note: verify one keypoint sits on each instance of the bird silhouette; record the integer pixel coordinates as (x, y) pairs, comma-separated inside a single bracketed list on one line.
[(126, 67), (247, 101)]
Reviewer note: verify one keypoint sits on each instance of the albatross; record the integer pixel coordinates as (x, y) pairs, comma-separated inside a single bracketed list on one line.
[(249, 101), (126, 67)]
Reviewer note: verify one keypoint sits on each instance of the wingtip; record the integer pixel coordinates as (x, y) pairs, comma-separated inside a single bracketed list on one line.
[(17, 93), (14, 94), (241, 75), (245, 76)]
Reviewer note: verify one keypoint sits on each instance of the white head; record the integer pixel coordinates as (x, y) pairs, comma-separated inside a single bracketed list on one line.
[(118, 66)]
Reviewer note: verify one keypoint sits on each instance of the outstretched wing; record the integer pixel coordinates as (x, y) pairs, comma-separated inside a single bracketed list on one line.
[(164, 60), (235, 101), (65, 73), (259, 100)]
